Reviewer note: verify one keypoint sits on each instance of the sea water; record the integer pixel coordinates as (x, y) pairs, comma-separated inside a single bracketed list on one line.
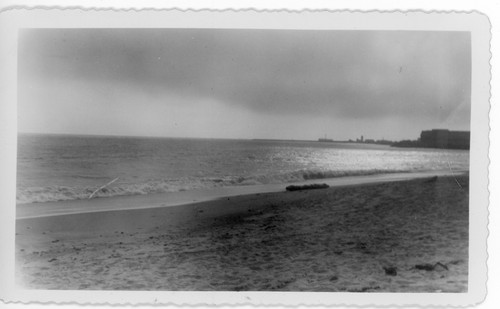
[(69, 167)]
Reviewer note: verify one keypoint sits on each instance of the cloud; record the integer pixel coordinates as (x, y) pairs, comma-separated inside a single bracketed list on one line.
[(344, 74)]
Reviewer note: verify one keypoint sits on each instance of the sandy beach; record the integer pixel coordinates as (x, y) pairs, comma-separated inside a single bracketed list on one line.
[(400, 236)]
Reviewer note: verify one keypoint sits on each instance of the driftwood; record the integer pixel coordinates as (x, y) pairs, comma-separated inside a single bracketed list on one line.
[(93, 193), (307, 187)]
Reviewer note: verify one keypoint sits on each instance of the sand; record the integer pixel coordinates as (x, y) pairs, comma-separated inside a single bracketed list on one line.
[(404, 236)]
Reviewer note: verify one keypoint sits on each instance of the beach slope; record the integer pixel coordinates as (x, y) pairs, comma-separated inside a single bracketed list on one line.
[(403, 236)]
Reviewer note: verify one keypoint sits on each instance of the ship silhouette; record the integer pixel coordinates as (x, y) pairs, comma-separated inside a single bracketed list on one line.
[(325, 139)]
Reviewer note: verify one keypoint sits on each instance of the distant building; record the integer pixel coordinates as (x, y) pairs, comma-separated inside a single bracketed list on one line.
[(439, 138)]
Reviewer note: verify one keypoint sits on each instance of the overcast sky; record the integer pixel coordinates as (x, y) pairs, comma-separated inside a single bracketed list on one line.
[(243, 83)]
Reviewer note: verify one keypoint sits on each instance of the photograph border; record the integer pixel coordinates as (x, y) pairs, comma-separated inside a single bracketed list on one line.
[(479, 25)]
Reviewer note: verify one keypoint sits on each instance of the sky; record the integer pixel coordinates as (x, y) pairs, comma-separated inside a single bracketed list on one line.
[(234, 83)]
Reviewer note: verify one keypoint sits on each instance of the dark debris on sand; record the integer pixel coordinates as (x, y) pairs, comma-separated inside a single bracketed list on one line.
[(307, 187)]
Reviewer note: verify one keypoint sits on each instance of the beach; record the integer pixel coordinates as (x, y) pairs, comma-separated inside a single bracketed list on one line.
[(399, 236)]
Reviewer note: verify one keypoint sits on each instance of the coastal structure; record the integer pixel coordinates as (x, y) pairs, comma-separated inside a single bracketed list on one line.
[(440, 138)]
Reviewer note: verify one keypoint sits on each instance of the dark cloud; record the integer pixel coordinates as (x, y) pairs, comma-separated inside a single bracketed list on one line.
[(349, 74)]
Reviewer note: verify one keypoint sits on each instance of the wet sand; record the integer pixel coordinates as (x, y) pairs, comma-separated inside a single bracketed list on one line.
[(119, 203), (404, 236)]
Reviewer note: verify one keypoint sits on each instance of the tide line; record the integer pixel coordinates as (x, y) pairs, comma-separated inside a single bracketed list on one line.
[(170, 199)]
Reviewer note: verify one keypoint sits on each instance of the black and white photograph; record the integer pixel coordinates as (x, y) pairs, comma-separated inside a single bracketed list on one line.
[(223, 159)]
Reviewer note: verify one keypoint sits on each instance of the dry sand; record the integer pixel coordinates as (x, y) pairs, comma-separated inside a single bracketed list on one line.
[(365, 238)]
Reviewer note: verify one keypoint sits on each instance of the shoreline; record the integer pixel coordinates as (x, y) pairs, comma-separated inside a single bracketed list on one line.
[(339, 239), (172, 199)]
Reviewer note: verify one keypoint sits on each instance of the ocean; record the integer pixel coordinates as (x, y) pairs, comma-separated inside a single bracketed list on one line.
[(70, 167)]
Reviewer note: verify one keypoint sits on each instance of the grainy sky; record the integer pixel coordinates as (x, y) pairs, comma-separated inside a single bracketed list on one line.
[(287, 84)]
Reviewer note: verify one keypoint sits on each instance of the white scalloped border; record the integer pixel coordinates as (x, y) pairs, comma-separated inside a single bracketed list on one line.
[(290, 11)]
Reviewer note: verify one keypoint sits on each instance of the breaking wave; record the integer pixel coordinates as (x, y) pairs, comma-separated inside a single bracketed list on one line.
[(64, 193)]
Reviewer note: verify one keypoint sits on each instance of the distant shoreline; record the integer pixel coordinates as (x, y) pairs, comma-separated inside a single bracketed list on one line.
[(396, 144)]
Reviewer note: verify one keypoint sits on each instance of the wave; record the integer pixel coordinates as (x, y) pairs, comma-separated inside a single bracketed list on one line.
[(65, 193)]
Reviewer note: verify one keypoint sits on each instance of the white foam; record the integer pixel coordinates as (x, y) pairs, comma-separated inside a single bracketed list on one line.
[(65, 193), (25, 211)]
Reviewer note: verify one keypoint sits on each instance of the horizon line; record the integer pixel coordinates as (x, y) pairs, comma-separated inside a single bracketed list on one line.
[(220, 138), (187, 137)]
